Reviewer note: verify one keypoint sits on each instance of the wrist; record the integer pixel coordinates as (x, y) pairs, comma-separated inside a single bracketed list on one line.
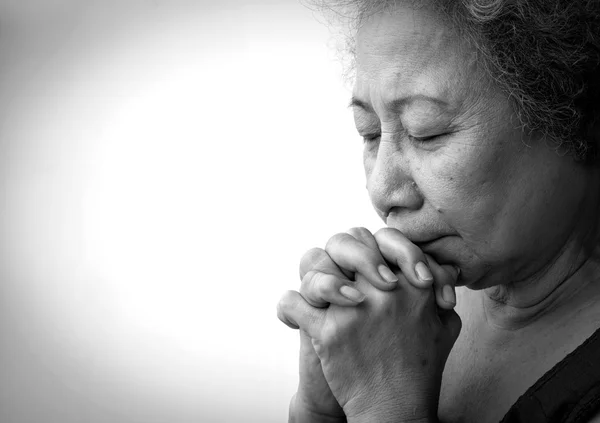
[(394, 407), (379, 418), (301, 413), (392, 413)]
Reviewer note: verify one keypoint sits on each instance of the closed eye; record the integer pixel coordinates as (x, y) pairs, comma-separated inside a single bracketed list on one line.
[(375, 137), (371, 138), (426, 139)]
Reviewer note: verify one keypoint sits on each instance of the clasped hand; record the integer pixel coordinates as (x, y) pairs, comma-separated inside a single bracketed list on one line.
[(376, 324)]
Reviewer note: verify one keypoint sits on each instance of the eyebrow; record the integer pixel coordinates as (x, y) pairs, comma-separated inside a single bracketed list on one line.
[(397, 104)]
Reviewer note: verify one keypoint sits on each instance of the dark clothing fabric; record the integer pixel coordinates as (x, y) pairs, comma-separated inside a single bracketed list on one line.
[(567, 393)]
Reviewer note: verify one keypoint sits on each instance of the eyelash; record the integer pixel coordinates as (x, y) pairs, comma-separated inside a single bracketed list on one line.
[(424, 139), (370, 138), (374, 137)]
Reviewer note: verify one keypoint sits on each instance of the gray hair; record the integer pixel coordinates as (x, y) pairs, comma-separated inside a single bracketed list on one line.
[(544, 54)]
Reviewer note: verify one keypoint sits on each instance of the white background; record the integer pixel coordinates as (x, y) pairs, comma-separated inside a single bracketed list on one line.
[(163, 167)]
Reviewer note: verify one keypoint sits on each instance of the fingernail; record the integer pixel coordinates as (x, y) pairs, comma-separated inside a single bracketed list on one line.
[(457, 271), (387, 274), (454, 271), (448, 294), (352, 294), (423, 272)]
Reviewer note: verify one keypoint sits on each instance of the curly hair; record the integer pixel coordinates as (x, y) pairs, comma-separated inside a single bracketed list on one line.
[(543, 54)]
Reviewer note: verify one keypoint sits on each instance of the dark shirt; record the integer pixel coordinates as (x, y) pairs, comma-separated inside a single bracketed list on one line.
[(567, 393)]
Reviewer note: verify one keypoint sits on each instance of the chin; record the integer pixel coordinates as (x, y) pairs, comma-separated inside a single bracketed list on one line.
[(474, 273), (477, 278)]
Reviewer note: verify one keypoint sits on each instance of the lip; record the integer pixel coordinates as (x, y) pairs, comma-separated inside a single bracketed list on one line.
[(419, 231), (428, 242), (439, 249), (422, 238)]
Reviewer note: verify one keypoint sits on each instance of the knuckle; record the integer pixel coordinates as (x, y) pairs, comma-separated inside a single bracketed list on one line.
[(337, 241), (407, 253), (382, 301), (370, 257), (415, 251), (310, 259), (366, 264), (318, 285), (284, 305), (365, 236), (360, 232), (314, 254), (330, 334), (321, 348), (308, 281), (286, 301), (383, 232), (327, 285), (281, 312)]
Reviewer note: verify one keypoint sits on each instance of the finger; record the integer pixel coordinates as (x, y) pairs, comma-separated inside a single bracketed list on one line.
[(398, 249), (444, 277), (324, 283), (320, 289), (318, 259), (296, 313), (351, 254), (365, 236), (313, 389)]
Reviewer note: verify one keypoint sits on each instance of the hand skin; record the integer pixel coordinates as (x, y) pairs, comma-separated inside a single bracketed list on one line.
[(391, 419), (314, 398), (314, 402), (325, 272), (301, 414), (383, 359)]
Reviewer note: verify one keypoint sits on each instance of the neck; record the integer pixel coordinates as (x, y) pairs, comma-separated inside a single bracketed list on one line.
[(565, 289), (566, 285)]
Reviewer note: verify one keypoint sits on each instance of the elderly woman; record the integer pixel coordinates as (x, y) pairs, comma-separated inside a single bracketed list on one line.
[(481, 124)]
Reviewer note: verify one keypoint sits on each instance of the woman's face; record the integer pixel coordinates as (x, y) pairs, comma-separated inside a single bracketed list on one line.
[(445, 159)]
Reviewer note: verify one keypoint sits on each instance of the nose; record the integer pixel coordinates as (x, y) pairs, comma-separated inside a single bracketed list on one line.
[(389, 179)]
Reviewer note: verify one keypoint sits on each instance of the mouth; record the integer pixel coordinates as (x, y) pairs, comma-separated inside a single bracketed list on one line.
[(429, 243), (439, 248), (420, 233)]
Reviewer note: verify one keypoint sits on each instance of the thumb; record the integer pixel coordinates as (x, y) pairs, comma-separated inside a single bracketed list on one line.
[(295, 312)]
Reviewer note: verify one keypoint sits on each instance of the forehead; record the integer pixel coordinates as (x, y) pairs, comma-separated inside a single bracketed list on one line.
[(405, 51)]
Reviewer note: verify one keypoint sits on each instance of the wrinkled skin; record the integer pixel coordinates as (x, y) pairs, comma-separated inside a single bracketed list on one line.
[(368, 376), (330, 332), (445, 161)]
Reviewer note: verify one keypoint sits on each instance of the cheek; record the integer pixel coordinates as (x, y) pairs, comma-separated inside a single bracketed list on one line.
[(465, 189), (369, 157), (441, 181)]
